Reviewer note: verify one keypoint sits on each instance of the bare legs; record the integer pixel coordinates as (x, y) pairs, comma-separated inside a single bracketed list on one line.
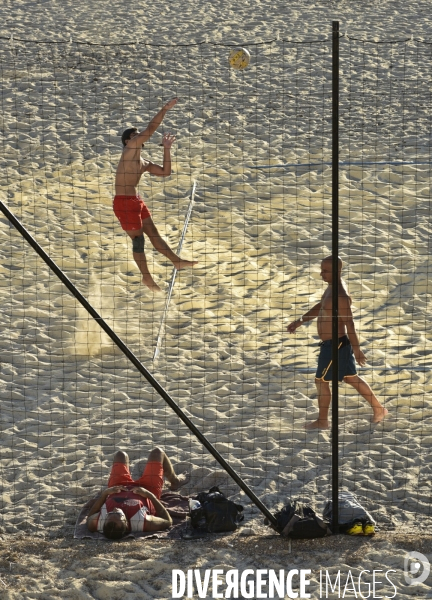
[(324, 399), (141, 261), (121, 457), (149, 228), (176, 481), (158, 455), (363, 388)]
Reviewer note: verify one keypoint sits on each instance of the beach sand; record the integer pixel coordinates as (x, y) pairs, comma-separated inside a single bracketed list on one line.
[(70, 398)]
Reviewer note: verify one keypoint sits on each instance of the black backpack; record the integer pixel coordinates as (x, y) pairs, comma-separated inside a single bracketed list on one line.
[(299, 521), (216, 513)]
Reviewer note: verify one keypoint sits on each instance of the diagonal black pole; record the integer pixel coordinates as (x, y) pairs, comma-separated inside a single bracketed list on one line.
[(137, 364), (335, 278)]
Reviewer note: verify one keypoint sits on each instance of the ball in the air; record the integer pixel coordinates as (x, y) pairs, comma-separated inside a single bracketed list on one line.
[(239, 58)]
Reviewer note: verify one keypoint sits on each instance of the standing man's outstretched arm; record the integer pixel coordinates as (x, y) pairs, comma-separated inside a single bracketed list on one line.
[(309, 316)]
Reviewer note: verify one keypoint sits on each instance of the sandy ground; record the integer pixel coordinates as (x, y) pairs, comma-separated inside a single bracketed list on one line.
[(69, 398), (72, 569)]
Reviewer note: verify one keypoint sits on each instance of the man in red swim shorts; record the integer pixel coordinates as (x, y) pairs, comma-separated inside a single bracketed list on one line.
[(128, 505), (129, 208)]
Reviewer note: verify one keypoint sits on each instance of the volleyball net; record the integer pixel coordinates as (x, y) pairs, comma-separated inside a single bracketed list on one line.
[(257, 143)]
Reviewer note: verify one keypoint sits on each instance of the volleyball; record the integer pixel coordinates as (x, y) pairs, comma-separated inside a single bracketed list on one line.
[(239, 58)]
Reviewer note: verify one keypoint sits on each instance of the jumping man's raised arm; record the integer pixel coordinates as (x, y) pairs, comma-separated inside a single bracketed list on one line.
[(165, 169), (145, 135)]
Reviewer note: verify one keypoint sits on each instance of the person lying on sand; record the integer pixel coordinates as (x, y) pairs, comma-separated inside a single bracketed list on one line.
[(128, 505), (349, 346), (128, 206)]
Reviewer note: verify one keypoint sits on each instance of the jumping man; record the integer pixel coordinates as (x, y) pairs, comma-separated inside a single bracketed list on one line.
[(129, 208), (349, 347)]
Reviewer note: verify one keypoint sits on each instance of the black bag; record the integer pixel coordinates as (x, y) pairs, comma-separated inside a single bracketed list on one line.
[(216, 513), (300, 522)]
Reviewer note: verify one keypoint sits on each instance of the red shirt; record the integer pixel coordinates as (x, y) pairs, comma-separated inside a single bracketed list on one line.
[(134, 506)]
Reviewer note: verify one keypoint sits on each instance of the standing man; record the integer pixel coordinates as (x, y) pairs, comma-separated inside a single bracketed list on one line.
[(349, 347), (129, 207)]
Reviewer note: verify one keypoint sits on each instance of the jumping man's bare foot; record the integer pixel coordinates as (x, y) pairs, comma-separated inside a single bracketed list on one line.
[(151, 284), (184, 264), (180, 481), (379, 414), (318, 424)]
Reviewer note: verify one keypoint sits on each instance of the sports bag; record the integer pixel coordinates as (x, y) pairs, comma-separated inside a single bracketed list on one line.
[(216, 513), (298, 521)]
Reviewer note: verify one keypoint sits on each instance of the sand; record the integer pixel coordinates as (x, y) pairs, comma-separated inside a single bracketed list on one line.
[(69, 397)]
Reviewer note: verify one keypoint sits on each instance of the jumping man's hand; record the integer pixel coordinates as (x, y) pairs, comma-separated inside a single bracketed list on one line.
[(171, 104), (168, 140)]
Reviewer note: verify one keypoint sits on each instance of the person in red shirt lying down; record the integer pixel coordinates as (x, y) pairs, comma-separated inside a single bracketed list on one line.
[(134, 505)]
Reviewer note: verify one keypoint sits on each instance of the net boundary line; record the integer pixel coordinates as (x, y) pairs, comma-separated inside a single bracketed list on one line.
[(136, 362), (174, 274), (341, 34), (12, 39)]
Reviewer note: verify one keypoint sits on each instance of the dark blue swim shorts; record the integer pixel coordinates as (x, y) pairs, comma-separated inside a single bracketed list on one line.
[(347, 367)]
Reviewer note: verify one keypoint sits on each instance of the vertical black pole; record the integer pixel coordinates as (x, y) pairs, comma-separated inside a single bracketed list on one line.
[(335, 275)]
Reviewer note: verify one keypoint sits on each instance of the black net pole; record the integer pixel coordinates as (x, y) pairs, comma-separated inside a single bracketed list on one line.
[(134, 360), (335, 275)]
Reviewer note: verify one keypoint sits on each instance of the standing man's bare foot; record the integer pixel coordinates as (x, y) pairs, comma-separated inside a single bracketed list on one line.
[(184, 264), (379, 414), (180, 481), (318, 424), (151, 284)]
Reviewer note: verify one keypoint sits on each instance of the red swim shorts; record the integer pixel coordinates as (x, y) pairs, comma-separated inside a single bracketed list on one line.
[(151, 479), (130, 211)]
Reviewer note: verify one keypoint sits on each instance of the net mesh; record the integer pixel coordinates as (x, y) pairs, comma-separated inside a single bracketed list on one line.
[(385, 215), (70, 398)]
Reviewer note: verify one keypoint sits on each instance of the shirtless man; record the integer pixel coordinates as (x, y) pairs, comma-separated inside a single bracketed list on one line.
[(349, 347), (128, 206)]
